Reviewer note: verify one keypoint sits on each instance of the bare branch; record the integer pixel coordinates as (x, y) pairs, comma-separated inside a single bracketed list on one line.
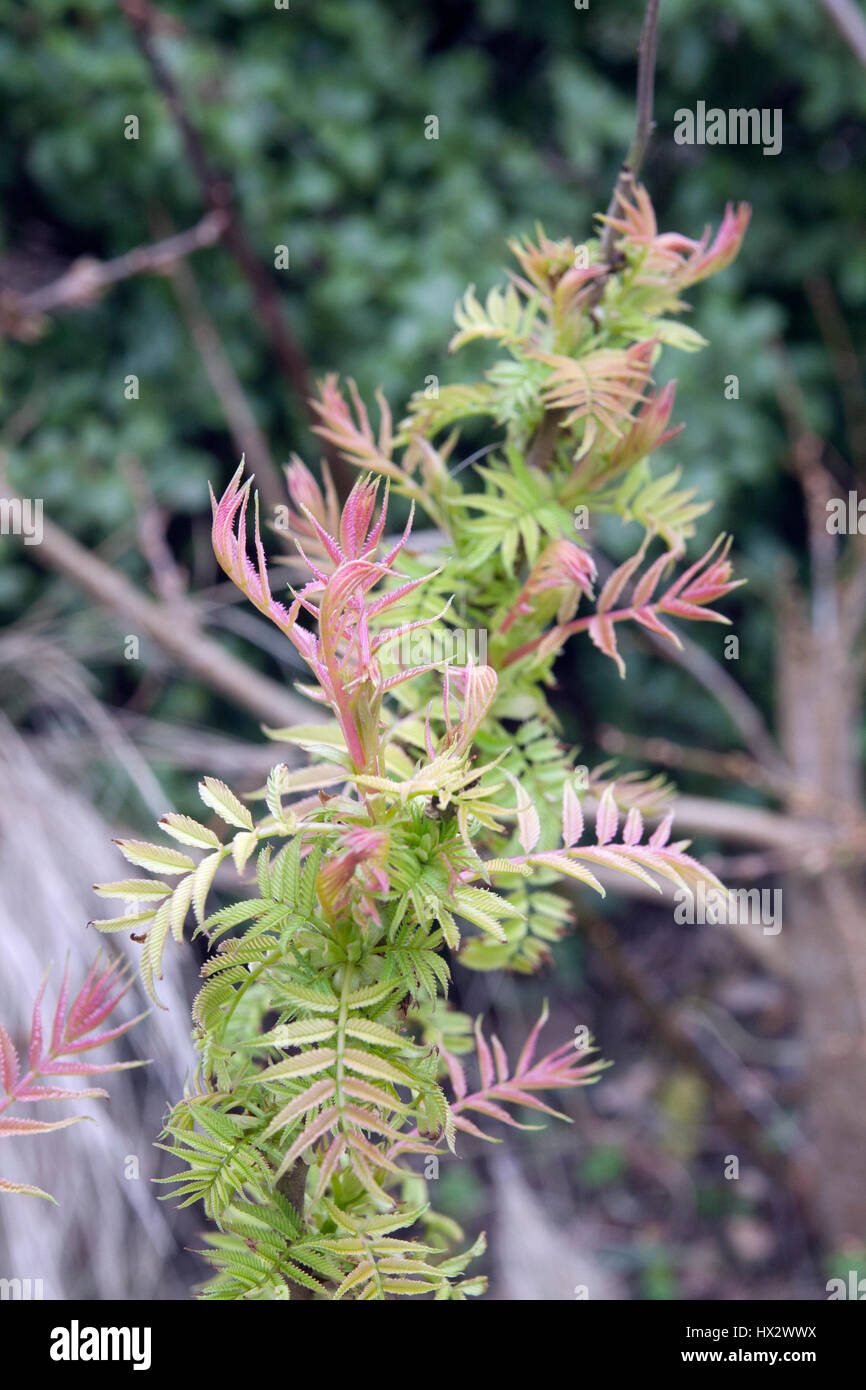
[(248, 439), (86, 278), (180, 745), (176, 633), (733, 766), (837, 336), (744, 715), (168, 580)]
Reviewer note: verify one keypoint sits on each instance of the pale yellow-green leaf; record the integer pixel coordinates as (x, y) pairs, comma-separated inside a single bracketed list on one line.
[(563, 865), (129, 923), (189, 831), (148, 889), (159, 858), (151, 954), (505, 866), (315, 1095), (25, 1190), (222, 799), (369, 995), (367, 1064), (368, 1030), (181, 899), (201, 883), (307, 1064), (608, 856), (486, 901), (306, 1030), (317, 1000), (243, 845), (312, 777), (302, 734)]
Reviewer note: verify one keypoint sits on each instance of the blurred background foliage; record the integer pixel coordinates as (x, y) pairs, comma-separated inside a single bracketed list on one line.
[(318, 115)]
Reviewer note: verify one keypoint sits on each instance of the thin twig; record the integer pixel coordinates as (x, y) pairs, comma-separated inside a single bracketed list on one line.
[(818, 486), (734, 766), (150, 519), (177, 634), (840, 343), (743, 713), (86, 278), (179, 746), (247, 437), (646, 69)]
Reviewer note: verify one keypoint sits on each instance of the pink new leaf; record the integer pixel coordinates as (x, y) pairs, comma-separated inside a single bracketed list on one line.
[(649, 430), (342, 656), (24, 1189), (618, 580), (524, 1061), (660, 836), (560, 1069), (34, 1093), (528, 822), (708, 579), (564, 571), (72, 1031), (19, 1126), (572, 816), (633, 828), (485, 1060), (35, 1052), (607, 817), (8, 1061), (671, 259), (60, 1011), (603, 634), (456, 1072)]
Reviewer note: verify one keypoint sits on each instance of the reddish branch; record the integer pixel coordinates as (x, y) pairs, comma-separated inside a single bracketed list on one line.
[(646, 71)]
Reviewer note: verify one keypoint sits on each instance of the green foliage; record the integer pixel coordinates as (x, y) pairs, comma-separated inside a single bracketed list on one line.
[(323, 1035)]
